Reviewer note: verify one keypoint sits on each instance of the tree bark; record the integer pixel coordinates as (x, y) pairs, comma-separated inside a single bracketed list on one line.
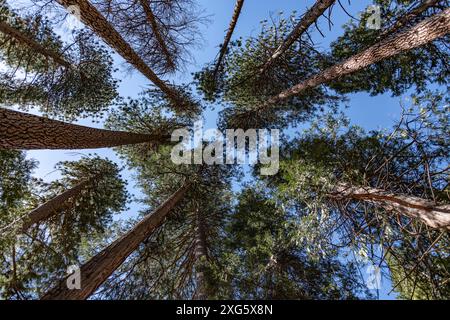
[(307, 20), (417, 208), (233, 23), (201, 254), (36, 46), (426, 31), (402, 21), (29, 132), (51, 207), (152, 21), (98, 23), (99, 268)]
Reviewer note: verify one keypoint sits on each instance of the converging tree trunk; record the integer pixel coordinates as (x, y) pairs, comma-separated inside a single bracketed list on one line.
[(156, 31), (201, 255), (233, 23), (29, 132), (417, 208), (33, 44), (307, 20), (99, 268), (98, 23), (51, 207), (426, 31)]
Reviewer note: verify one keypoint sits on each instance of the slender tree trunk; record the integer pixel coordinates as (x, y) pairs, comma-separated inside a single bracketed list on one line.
[(233, 23), (99, 268), (25, 131), (426, 31), (153, 23), (51, 207), (98, 23), (201, 254), (36, 46), (307, 20), (417, 208)]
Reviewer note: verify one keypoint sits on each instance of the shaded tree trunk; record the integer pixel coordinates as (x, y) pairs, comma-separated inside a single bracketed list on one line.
[(100, 267), (153, 23), (233, 23), (417, 208), (426, 31), (201, 255), (98, 23), (36, 46), (307, 20), (51, 207), (25, 131)]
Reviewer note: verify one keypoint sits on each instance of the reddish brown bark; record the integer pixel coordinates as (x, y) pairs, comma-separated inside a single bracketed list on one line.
[(201, 255), (154, 24), (307, 20), (433, 215), (98, 23), (99, 268), (25, 131), (233, 23), (409, 16), (51, 207)]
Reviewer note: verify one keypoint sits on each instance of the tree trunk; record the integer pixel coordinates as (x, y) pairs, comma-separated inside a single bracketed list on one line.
[(307, 20), (152, 21), (234, 20), (201, 255), (98, 23), (25, 131), (426, 31), (100, 267), (417, 208), (408, 17), (51, 207), (36, 46)]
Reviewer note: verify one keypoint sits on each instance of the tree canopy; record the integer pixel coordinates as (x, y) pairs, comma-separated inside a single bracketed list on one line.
[(344, 198)]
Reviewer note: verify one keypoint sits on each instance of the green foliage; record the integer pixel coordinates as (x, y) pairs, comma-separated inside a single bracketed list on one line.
[(410, 160), (264, 260), (244, 87), (84, 88), (33, 261), (415, 68), (280, 237)]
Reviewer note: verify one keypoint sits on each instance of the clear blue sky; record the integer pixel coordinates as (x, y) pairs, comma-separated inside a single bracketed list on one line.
[(365, 111)]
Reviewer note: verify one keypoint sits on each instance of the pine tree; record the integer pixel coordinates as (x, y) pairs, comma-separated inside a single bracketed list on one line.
[(99, 268), (100, 25), (62, 80)]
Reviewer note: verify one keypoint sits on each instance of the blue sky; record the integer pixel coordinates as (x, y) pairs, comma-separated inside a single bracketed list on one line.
[(364, 110)]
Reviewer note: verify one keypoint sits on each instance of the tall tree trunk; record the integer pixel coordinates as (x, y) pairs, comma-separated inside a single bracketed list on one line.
[(201, 254), (403, 20), (154, 24), (234, 20), (51, 207), (426, 31), (36, 46), (417, 208), (25, 131), (307, 20), (98, 23), (99, 268)]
